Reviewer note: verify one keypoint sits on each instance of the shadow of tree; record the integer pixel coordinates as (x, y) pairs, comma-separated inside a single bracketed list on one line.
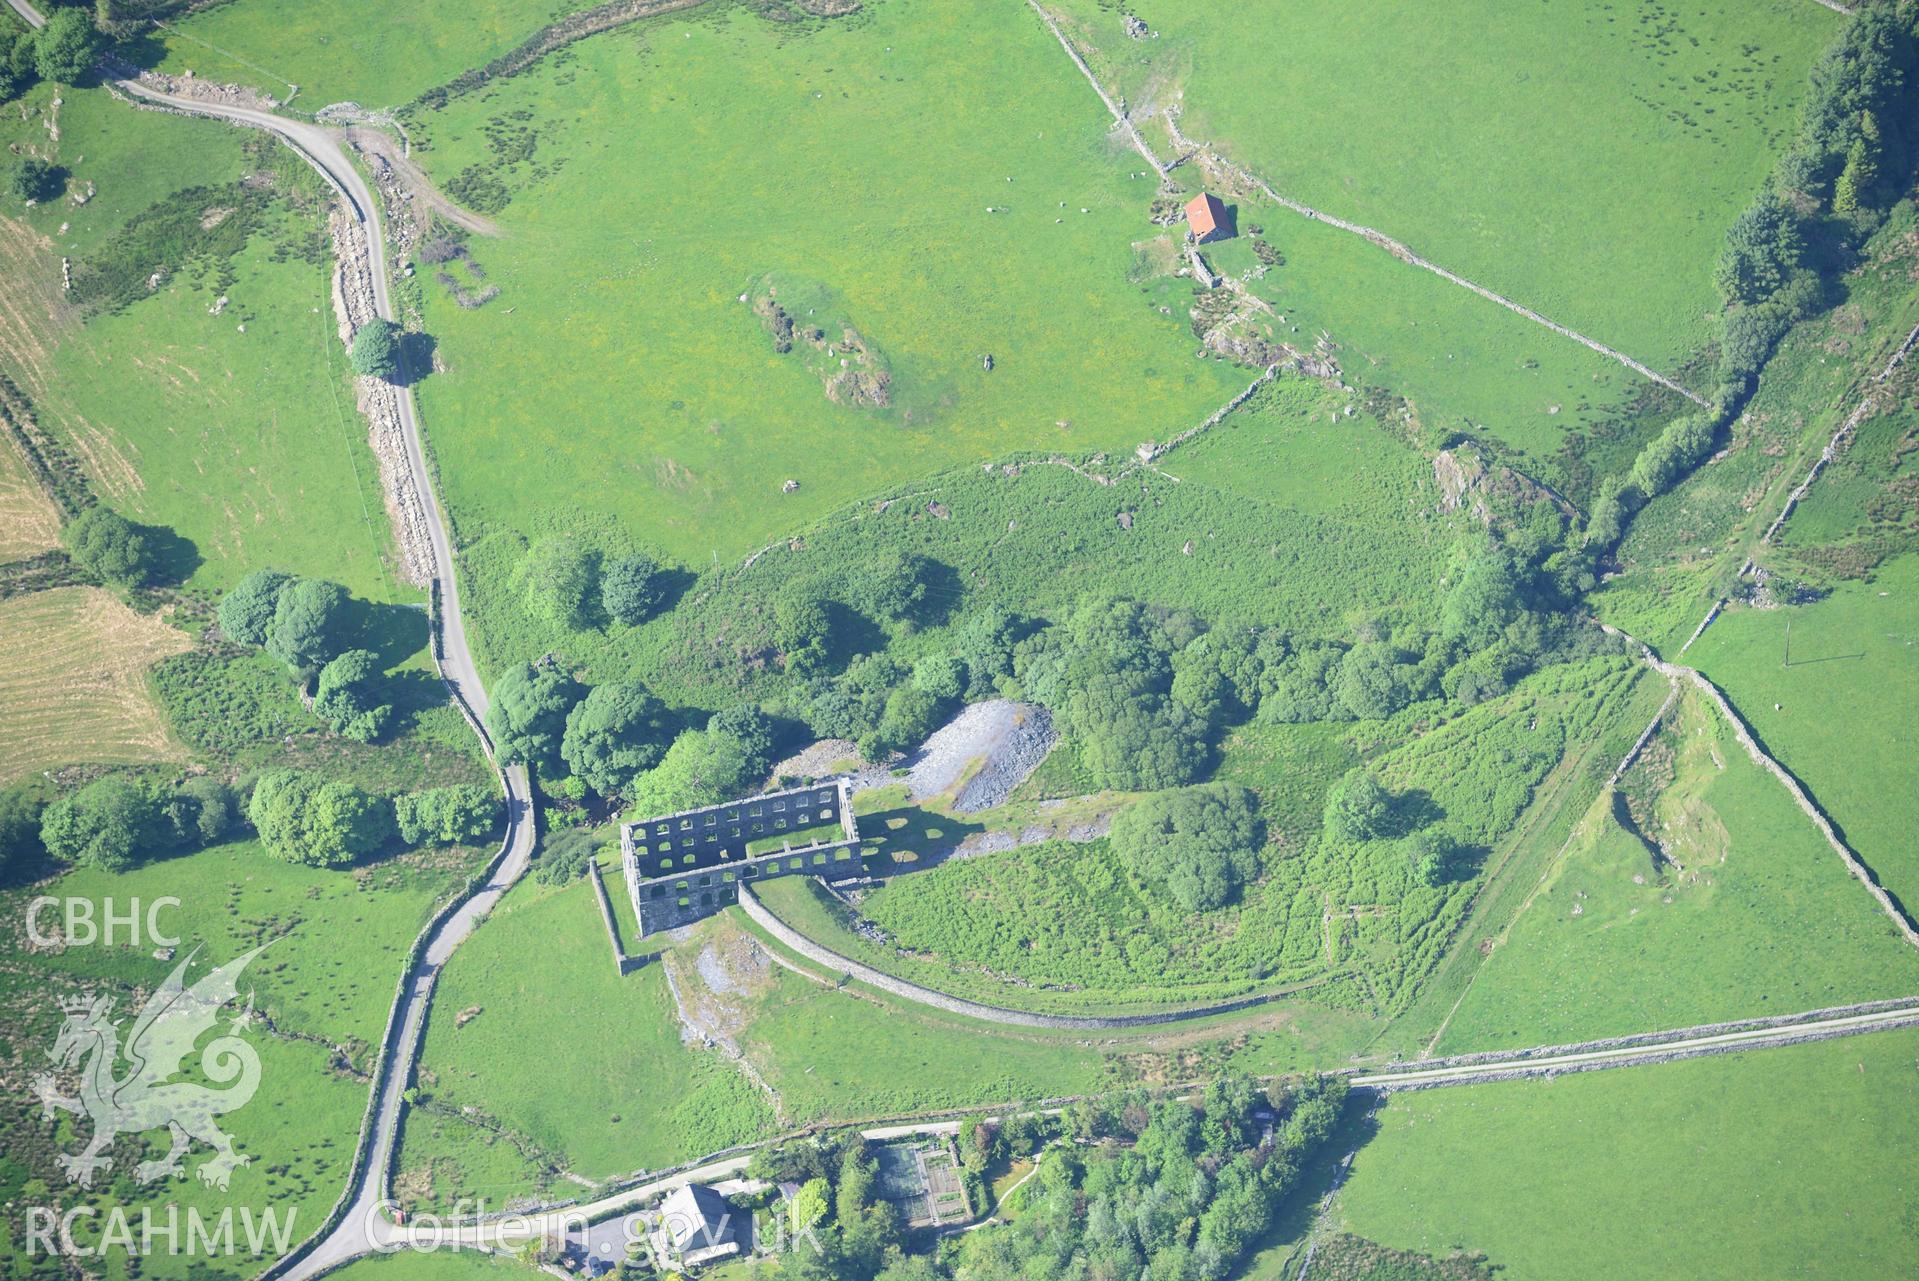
[(144, 50), (1411, 811), (851, 633), (174, 557), (416, 359), (393, 632), (1466, 861), (944, 590)]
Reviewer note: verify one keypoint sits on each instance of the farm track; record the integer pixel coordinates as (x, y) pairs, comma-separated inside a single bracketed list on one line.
[(1378, 238), (1558, 790)]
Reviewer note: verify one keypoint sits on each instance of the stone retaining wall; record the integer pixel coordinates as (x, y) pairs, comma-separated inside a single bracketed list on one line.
[(621, 961)]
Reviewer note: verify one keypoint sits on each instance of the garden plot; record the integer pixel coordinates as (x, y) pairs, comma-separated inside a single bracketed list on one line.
[(923, 1180)]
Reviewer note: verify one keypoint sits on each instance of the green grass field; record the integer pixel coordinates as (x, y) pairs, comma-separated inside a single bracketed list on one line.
[(339, 939), (618, 260), (237, 430), (1845, 708), (1538, 151), (1753, 915), (1790, 1162), (837, 1055), (633, 1095), (648, 201), (132, 158), (639, 1096), (187, 398), (1466, 364), (299, 1131), (334, 53), (438, 1266)]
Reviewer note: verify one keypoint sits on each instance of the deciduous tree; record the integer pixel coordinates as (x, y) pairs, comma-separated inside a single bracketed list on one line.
[(1198, 844), (528, 717), (1358, 807), (348, 696), (615, 732), (891, 586), (112, 823), (459, 814), (104, 541), (67, 47), (701, 768), (629, 588), (558, 574), (802, 630), (302, 819), (309, 625), (246, 612)]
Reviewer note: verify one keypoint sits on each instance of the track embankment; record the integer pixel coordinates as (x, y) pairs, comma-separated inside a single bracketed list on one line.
[(822, 955)]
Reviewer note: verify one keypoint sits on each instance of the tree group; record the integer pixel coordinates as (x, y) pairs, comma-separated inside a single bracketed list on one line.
[(121, 820), (1199, 844)]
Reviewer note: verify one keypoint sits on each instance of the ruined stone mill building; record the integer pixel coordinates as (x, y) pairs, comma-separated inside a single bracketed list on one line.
[(681, 867)]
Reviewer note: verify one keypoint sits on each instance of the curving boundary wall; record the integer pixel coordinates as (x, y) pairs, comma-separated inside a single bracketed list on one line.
[(822, 955), (416, 968)]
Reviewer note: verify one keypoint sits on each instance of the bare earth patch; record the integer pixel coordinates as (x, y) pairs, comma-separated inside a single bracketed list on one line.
[(73, 664), (983, 754)]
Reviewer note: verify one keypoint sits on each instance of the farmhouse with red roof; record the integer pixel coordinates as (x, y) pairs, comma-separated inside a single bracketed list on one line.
[(1207, 219)]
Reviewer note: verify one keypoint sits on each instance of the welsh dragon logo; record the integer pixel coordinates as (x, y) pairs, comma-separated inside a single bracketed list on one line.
[(147, 1097)]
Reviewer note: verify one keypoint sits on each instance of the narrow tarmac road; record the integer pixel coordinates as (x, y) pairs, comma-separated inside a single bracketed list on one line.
[(364, 1225), (506, 1232)]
